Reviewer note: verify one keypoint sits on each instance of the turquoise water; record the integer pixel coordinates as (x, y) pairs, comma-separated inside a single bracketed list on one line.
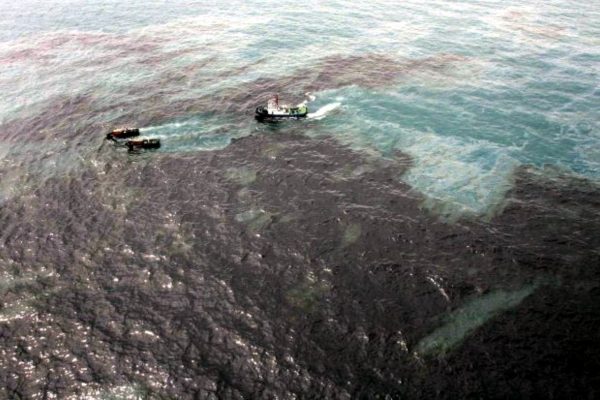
[(521, 88)]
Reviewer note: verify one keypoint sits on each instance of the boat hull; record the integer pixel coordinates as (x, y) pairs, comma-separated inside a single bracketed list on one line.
[(262, 114), (143, 144), (123, 133)]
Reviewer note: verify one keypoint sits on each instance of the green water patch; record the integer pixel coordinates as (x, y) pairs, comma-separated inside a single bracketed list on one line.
[(18, 293), (16, 310), (306, 294), (241, 175), (255, 219), (351, 234), (462, 322), (287, 218), (348, 172), (124, 392), (11, 184), (273, 150), (246, 196)]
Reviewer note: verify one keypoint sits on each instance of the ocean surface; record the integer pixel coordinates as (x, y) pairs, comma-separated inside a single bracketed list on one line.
[(431, 230)]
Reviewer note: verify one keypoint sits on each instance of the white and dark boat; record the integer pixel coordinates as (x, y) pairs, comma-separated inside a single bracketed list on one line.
[(275, 111)]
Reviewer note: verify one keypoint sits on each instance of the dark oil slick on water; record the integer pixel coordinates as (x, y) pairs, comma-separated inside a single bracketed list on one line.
[(286, 266)]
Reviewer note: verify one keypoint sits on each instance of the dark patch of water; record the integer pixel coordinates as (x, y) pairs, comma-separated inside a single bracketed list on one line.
[(288, 266)]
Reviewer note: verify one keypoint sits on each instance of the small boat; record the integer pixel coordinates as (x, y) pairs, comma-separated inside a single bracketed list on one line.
[(143, 144), (275, 111), (122, 133)]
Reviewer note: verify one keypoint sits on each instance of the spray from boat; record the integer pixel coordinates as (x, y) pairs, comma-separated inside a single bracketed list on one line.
[(309, 97), (323, 111)]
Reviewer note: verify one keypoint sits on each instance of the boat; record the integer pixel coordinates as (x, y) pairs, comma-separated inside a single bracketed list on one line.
[(275, 111), (122, 133), (143, 144)]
